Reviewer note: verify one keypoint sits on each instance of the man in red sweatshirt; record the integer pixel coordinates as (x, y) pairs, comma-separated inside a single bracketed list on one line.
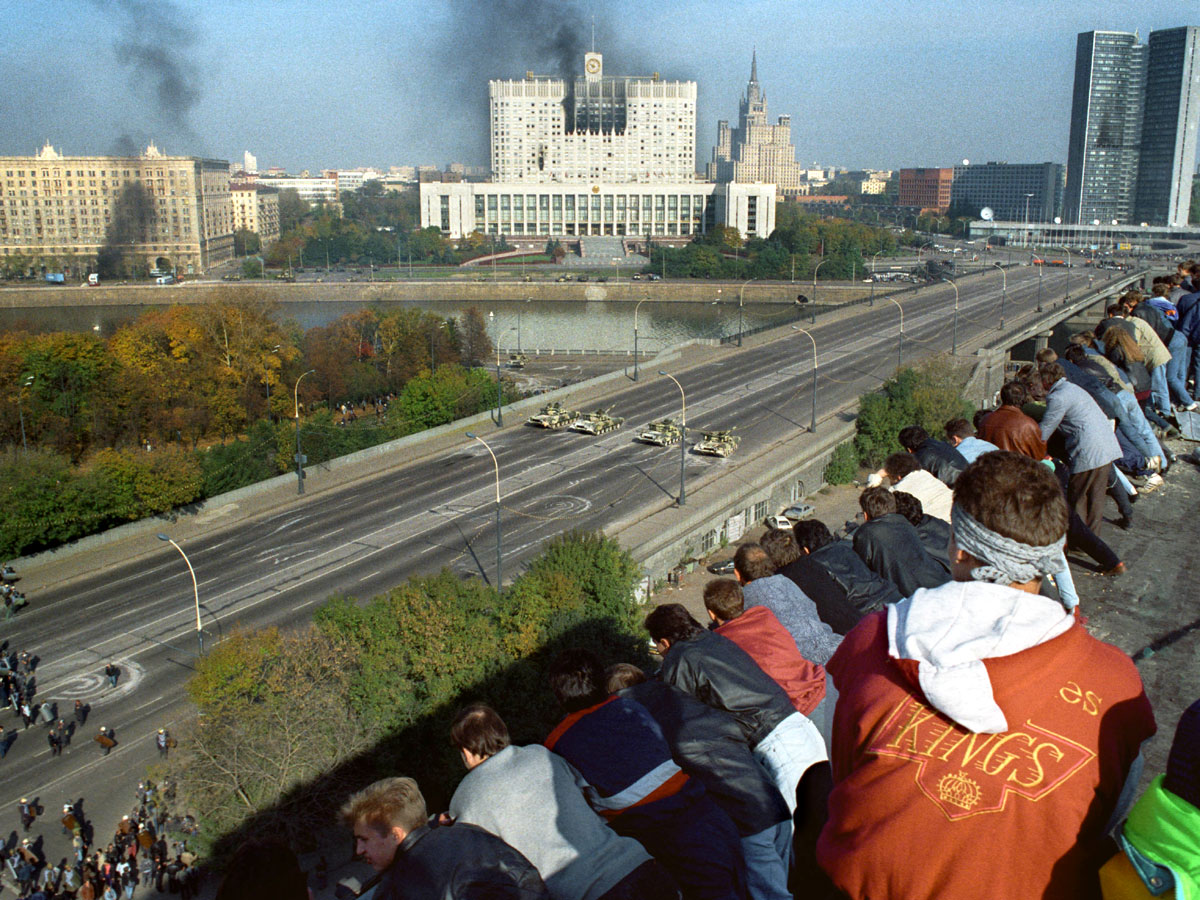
[(983, 740)]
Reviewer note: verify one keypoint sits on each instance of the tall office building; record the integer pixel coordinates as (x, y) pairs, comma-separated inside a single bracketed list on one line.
[(1169, 127), (594, 127), (1016, 192), (594, 156), (756, 150), (1106, 127), (61, 211)]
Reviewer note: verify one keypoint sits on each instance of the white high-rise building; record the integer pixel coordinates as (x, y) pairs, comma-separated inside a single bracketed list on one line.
[(249, 163), (595, 127), (594, 156)]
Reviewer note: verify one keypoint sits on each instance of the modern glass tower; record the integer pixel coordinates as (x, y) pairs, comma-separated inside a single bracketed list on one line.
[(1169, 127), (1106, 126)]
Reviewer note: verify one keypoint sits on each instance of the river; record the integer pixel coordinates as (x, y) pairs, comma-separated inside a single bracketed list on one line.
[(594, 326)]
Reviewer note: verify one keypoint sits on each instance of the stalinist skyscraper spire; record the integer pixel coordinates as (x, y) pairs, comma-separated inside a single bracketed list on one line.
[(756, 150)]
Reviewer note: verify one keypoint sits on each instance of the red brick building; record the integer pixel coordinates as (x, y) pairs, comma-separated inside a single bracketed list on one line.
[(926, 188)]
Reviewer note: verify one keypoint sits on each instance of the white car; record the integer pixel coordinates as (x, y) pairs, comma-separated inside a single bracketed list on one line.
[(778, 523)]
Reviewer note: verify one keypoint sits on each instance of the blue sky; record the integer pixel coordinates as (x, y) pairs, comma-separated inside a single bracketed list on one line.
[(368, 82)]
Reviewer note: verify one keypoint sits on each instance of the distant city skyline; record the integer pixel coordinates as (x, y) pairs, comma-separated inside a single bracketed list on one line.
[(866, 84)]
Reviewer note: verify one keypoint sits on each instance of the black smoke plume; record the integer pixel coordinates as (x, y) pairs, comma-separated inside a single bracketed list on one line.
[(157, 43), (132, 222)]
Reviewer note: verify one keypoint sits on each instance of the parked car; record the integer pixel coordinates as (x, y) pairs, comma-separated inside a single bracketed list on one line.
[(798, 511), (778, 523), (722, 568)]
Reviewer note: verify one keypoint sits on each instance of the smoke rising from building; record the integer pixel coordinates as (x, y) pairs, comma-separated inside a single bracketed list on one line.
[(157, 44), (132, 222), (505, 39)]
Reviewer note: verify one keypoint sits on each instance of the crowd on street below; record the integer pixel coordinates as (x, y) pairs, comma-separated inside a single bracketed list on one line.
[(911, 707)]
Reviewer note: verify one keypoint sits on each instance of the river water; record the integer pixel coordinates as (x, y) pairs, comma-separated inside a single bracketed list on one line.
[(594, 326)]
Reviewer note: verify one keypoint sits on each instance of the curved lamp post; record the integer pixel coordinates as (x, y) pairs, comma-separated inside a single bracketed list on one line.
[(195, 588), (900, 347), (499, 543), (741, 293), (816, 269), (299, 455), (954, 330), (683, 437), (635, 336), (1003, 293), (25, 383), (874, 257), (813, 425)]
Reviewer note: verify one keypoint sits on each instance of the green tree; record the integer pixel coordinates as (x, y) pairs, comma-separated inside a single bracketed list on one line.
[(929, 395), (246, 242), (292, 210)]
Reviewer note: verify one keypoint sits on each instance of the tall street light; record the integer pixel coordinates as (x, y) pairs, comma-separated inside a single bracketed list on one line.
[(682, 438), (195, 588), (635, 336), (25, 383), (741, 293), (1003, 293), (954, 330), (816, 269), (900, 347), (874, 257), (267, 377), (499, 409), (499, 543), (299, 455), (813, 425)]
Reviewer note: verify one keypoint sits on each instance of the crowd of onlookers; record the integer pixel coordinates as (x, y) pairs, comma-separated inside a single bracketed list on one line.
[(912, 708), (138, 859)]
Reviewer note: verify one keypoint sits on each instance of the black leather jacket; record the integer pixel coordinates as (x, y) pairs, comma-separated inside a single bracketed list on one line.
[(709, 745), (941, 460), (716, 671), (892, 549), (866, 592), (459, 862)]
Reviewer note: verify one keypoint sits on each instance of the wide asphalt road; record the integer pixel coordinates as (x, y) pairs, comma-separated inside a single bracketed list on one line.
[(370, 535)]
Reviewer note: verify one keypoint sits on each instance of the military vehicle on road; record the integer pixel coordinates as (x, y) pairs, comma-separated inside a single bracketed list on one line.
[(661, 433), (717, 443), (553, 416), (598, 422)]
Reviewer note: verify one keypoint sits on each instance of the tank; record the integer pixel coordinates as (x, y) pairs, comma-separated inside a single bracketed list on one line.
[(598, 422), (661, 433), (717, 443), (553, 416)]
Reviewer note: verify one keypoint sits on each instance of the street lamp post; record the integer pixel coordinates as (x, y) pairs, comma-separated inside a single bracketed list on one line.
[(267, 378), (26, 382), (1003, 293), (195, 588), (874, 257), (635, 336), (1041, 270), (299, 455), (741, 293), (262, 266), (1028, 197), (499, 408), (954, 329), (499, 539), (900, 347), (816, 269), (682, 438), (813, 425)]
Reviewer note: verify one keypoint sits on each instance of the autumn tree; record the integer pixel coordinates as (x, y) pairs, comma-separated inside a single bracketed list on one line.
[(277, 714)]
